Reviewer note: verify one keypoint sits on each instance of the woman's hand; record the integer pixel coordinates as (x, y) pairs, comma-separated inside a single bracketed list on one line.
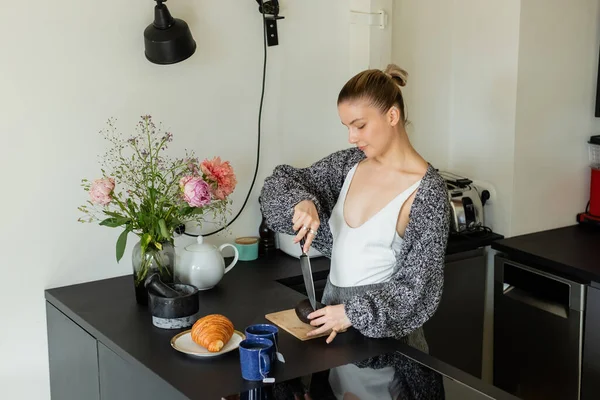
[(306, 222), (330, 317)]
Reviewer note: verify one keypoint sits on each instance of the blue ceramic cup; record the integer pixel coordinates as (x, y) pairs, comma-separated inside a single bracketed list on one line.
[(265, 331), (255, 358)]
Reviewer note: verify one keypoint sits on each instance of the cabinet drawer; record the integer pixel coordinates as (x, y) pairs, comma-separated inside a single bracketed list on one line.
[(119, 380), (73, 358), (590, 374)]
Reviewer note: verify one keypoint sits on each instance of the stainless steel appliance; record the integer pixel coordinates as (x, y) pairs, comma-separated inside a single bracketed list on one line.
[(538, 332), (466, 203)]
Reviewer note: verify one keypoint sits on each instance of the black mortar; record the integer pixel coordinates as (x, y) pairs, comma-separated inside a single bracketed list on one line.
[(187, 304)]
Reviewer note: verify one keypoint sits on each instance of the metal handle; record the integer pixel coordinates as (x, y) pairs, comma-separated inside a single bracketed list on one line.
[(544, 305), (574, 300), (541, 273)]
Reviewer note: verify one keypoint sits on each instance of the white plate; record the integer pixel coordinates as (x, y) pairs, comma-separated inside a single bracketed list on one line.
[(183, 342)]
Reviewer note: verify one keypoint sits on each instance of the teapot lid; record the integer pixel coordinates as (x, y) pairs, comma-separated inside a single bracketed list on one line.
[(200, 246)]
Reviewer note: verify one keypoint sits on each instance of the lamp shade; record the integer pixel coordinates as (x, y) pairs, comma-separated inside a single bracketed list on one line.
[(167, 40)]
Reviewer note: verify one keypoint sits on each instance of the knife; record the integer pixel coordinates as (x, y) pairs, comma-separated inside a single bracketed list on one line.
[(307, 275)]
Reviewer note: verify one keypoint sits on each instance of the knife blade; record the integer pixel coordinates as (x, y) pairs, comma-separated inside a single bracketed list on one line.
[(308, 278)]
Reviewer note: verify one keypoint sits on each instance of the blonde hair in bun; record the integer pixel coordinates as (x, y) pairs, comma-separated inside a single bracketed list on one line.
[(382, 89), (397, 74)]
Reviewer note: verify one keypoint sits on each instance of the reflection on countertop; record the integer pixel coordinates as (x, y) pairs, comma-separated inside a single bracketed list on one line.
[(388, 376)]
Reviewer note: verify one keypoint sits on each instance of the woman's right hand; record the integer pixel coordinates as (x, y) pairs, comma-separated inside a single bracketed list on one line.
[(306, 222)]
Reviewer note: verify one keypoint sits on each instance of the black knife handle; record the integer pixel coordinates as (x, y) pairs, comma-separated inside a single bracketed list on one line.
[(302, 242)]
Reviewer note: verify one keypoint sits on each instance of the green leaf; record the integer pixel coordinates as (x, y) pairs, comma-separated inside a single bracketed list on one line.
[(186, 211), (145, 241), (115, 222), (163, 228), (121, 244), (131, 206), (153, 192), (113, 214), (198, 211)]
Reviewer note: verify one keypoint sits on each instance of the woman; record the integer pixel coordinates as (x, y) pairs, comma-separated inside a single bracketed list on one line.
[(379, 211)]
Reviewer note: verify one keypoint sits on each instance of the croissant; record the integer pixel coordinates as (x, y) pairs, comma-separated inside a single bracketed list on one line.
[(212, 332)]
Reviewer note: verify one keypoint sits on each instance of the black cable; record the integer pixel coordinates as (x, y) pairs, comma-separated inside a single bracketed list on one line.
[(473, 232), (262, 96), (587, 211)]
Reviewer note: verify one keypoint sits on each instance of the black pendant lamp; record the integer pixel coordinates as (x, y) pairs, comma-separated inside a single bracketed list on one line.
[(168, 40)]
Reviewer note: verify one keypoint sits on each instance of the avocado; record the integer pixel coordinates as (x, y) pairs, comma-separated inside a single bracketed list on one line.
[(303, 309)]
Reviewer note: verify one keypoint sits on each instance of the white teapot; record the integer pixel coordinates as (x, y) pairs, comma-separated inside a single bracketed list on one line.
[(202, 264)]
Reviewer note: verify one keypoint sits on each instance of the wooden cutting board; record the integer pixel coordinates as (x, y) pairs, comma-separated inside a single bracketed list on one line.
[(288, 321)]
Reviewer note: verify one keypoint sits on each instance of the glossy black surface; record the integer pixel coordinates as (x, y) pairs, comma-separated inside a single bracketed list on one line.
[(458, 243), (245, 295), (387, 376), (573, 251), (590, 387)]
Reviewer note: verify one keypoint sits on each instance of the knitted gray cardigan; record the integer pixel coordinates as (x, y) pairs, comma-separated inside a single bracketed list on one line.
[(404, 303)]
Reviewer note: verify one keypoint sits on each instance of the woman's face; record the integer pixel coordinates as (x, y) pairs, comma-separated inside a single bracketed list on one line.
[(368, 128)]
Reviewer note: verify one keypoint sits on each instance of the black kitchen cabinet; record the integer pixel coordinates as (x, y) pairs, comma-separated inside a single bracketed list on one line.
[(73, 357), (83, 368), (538, 319), (119, 380), (570, 252), (106, 348), (590, 379), (455, 332)]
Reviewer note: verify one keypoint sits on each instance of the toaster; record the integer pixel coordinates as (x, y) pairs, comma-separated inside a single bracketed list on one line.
[(466, 203)]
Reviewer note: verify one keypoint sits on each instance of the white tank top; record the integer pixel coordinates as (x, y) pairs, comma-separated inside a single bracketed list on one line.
[(367, 254), (363, 383)]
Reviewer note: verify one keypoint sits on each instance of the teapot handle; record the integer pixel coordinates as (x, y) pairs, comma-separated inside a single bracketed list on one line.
[(235, 257)]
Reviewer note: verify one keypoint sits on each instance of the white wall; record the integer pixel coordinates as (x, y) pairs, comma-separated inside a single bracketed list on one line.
[(462, 59), (558, 61), (485, 43), (68, 66), (490, 84), (422, 45)]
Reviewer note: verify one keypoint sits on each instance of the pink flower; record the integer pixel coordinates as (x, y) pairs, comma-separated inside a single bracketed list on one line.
[(101, 191), (221, 173), (196, 192)]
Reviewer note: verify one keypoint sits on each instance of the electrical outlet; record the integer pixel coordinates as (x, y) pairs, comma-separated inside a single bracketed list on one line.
[(483, 185)]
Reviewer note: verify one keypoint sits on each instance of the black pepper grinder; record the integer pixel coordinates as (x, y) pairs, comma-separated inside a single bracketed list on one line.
[(267, 239)]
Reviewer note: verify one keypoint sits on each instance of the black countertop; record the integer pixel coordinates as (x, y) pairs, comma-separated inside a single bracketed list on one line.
[(458, 243), (404, 374), (573, 251), (108, 311)]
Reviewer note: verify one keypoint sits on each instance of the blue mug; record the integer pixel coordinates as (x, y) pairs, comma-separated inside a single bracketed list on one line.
[(264, 331), (255, 358)]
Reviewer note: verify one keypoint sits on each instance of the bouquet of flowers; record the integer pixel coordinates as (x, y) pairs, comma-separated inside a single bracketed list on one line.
[(151, 195)]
